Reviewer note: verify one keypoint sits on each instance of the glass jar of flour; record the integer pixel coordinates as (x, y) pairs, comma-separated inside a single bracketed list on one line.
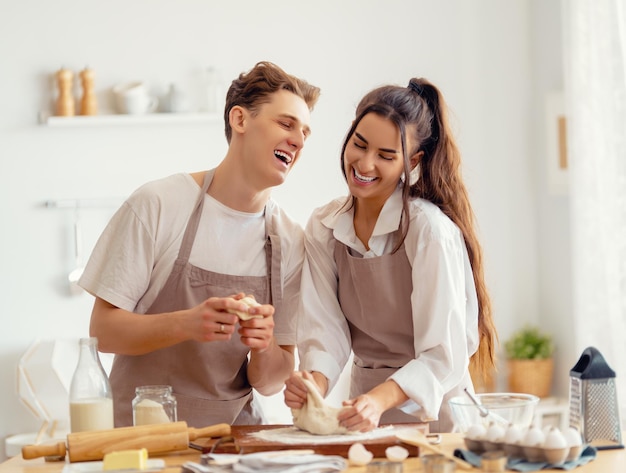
[(154, 405)]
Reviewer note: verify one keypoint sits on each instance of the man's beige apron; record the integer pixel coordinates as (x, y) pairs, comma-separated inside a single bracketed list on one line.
[(375, 297), (209, 379)]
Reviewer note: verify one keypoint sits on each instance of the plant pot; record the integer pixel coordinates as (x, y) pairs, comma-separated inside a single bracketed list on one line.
[(531, 376)]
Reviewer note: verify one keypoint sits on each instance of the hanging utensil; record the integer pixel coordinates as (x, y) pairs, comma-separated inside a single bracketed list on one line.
[(77, 272)]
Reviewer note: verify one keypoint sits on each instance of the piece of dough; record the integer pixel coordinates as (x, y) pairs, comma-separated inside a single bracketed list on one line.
[(316, 416), (244, 315)]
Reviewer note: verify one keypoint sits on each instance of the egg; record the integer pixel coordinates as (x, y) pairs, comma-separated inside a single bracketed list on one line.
[(512, 441), (534, 437), (476, 432), (575, 443), (555, 439), (495, 433), (396, 453), (513, 434), (573, 437), (493, 438), (555, 447), (358, 455)]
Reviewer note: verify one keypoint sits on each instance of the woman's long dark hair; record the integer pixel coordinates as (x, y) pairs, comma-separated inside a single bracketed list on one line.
[(419, 109)]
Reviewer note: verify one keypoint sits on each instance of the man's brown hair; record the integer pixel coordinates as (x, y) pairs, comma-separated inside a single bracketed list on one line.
[(254, 88)]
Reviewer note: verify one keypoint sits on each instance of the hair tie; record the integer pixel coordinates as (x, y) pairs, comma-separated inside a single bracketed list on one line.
[(417, 88), (432, 103)]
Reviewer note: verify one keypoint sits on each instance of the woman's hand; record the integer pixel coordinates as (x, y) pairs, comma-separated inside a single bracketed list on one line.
[(361, 414), (295, 391)]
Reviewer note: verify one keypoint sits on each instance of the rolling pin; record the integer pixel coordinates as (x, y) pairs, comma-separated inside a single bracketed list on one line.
[(156, 438)]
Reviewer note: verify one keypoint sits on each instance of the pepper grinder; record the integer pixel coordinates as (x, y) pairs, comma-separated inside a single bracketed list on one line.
[(88, 103), (65, 100)]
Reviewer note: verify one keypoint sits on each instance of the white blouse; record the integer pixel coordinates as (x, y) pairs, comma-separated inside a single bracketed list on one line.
[(443, 299)]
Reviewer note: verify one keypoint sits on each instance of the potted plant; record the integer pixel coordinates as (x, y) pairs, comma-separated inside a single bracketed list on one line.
[(530, 362)]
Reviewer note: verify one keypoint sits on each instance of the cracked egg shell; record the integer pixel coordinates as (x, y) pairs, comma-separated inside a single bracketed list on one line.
[(358, 455), (396, 453)]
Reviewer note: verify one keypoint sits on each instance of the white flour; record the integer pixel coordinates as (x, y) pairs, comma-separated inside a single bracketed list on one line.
[(293, 435)]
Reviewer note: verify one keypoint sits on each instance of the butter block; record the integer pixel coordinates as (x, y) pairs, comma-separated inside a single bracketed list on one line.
[(126, 460)]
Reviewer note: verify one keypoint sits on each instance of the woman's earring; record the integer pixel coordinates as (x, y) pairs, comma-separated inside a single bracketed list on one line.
[(415, 175)]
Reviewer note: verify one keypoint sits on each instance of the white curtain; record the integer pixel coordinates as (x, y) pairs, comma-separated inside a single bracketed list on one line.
[(595, 104)]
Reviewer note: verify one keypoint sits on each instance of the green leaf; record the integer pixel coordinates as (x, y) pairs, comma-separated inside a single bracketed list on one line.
[(529, 343)]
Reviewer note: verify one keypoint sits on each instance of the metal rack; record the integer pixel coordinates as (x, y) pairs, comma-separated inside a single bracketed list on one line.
[(104, 202)]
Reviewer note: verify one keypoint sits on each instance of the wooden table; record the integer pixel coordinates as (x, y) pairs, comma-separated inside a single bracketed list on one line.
[(607, 461)]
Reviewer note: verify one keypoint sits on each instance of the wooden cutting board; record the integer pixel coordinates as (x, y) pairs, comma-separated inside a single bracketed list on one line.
[(242, 441)]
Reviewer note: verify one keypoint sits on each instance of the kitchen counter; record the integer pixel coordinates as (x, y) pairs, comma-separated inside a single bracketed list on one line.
[(607, 461)]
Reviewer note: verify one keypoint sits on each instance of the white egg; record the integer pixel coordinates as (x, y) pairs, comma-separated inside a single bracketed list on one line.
[(573, 437), (476, 432), (495, 433), (513, 435), (534, 437), (358, 455), (396, 453), (555, 439)]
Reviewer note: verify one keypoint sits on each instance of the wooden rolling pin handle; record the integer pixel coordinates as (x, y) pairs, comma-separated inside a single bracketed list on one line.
[(35, 451), (217, 430)]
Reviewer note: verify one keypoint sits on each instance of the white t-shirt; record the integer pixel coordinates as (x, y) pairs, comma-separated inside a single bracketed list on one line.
[(443, 301), (135, 254)]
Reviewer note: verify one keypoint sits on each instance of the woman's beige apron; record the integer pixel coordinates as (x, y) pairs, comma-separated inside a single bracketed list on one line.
[(375, 297), (209, 379)]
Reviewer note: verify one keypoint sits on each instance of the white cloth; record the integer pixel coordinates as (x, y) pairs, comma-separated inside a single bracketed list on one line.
[(136, 252), (594, 52), (272, 461), (443, 300)]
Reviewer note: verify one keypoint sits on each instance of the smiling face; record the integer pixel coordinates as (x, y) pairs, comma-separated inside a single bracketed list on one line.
[(373, 159), (274, 136)]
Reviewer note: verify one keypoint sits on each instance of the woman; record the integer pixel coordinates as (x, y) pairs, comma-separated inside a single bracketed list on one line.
[(395, 273)]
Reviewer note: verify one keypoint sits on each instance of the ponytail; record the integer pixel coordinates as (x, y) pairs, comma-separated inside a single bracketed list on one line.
[(441, 183)]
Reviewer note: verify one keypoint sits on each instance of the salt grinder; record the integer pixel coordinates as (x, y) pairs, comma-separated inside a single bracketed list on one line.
[(593, 404), (88, 102)]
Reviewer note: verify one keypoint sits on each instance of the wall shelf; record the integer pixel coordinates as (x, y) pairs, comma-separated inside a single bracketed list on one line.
[(128, 120)]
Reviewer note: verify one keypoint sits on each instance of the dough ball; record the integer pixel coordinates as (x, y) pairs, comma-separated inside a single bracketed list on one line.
[(250, 302)]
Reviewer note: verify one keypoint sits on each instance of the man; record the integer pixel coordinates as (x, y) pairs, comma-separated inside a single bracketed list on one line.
[(181, 253)]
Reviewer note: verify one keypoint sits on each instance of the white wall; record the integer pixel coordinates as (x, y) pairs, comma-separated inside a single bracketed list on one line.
[(493, 60)]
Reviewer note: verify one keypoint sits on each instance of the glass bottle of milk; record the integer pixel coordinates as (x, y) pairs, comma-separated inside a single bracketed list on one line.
[(91, 399)]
